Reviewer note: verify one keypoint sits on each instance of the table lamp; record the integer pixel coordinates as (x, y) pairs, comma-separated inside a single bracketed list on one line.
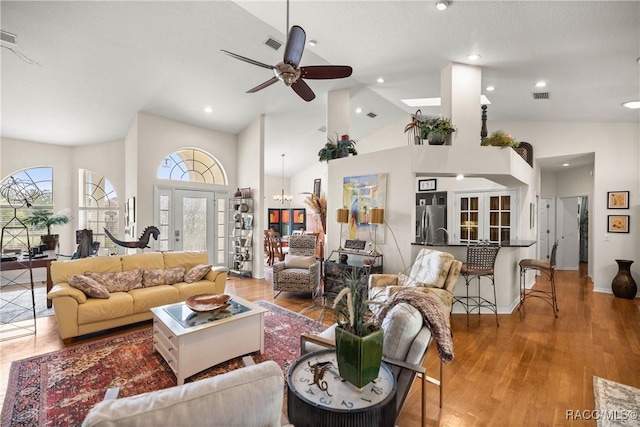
[(342, 217), (377, 217)]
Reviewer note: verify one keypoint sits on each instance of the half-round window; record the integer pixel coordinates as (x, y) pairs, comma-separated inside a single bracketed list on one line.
[(192, 165)]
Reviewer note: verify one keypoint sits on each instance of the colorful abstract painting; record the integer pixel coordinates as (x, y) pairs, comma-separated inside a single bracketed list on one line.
[(360, 194)]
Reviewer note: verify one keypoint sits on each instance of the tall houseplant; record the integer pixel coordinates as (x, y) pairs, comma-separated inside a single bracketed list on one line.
[(335, 149), (43, 218), (358, 334)]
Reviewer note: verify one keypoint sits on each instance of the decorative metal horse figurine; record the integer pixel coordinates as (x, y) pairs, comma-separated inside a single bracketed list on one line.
[(142, 243)]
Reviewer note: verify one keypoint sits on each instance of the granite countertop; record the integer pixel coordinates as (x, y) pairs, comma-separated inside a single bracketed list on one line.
[(457, 243)]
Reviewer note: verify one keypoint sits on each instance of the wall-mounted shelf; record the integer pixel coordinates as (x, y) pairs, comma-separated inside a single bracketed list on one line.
[(241, 236)]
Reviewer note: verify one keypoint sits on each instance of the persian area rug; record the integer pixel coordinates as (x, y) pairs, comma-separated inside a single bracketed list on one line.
[(59, 388), (616, 404)]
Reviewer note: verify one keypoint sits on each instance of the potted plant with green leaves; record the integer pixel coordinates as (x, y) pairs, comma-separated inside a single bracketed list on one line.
[(436, 130), (44, 218), (337, 148), (500, 138), (358, 332)]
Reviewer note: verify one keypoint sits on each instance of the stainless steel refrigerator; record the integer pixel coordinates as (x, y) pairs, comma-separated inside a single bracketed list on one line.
[(430, 220)]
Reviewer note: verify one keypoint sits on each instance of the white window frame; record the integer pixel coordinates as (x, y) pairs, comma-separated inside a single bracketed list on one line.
[(484, 213)]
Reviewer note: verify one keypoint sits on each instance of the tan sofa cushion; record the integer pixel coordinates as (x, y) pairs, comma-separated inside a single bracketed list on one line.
[(188, 260), (169, 276), (119, 304), (61, 271), (146, 298), (149, 260)]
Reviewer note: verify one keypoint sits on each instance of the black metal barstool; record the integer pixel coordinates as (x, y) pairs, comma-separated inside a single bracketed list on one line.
[(546, 267), (480, 263)]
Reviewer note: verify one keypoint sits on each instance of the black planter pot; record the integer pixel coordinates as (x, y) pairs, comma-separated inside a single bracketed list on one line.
[(623, 285)]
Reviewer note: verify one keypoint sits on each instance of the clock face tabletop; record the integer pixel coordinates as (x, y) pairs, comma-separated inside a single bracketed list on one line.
[(314, 379)]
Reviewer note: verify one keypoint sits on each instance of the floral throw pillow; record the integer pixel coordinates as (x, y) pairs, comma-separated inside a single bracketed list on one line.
[(169, 276), (197, 273), (118, 282), (90, 287)]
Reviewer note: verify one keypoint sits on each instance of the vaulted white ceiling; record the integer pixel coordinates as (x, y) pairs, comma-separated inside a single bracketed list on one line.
[(81, 70)]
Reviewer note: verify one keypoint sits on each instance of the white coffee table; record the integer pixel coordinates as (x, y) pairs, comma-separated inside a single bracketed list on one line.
[(192, 342)]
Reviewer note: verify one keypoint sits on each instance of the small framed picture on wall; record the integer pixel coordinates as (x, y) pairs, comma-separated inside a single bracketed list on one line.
[(426, 184), (618, 200), (618, 224)]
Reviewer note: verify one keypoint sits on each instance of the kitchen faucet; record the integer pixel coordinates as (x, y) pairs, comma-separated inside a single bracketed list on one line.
[(446, 234)]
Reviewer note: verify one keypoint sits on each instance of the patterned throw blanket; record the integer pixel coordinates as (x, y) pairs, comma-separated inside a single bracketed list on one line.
[(431, 314)]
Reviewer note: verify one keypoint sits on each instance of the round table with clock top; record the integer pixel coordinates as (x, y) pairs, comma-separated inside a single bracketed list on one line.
[(318, 397)]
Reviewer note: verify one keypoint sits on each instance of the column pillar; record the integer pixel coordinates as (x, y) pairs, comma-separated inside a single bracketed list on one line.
[(338, 113), (460, 90)]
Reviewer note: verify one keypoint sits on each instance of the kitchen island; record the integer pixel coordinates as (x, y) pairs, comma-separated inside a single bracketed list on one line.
[(507, 272)]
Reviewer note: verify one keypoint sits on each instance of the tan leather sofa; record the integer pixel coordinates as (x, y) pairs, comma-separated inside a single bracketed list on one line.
[(77, 314)]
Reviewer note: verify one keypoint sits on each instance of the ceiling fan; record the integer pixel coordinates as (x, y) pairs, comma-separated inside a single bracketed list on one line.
[(288, 70)]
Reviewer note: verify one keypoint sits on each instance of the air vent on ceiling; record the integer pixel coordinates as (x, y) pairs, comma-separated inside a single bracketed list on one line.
[(540, 95), (372, 115), (273, 43), (7, 37)]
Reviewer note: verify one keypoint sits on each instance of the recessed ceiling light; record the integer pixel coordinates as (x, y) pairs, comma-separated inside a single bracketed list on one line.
[(459, 176), (313, 42), (380, 80), (491, 88), (632, 104), (442, 5), (541, 84), (208, 109), (565, 164), (358, 110), (474, 57)]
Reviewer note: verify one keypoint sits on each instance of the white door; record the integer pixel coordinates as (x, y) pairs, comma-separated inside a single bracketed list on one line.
[(546, 227), (568, 255), (194, 220)]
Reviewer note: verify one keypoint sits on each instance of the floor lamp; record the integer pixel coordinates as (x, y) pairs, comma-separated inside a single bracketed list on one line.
[(377, 217), (342, 217)]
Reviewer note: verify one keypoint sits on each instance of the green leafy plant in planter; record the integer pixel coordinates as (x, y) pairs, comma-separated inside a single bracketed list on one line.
[(436, 129), (43, 218), (358, 334), (335, 149), (500, 138)]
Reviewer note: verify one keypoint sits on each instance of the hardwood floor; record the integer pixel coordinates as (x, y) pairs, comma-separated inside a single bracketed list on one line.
[(529, 371)]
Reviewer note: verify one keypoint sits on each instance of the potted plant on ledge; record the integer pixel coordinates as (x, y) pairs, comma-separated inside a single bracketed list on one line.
[(43, 218), (335, 149), (436, 130), (500, 138)]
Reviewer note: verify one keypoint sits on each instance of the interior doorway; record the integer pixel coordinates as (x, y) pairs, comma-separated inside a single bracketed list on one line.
[(565, 219)]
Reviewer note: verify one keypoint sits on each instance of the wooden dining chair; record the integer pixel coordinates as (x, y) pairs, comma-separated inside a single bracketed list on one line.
[(275, 242)]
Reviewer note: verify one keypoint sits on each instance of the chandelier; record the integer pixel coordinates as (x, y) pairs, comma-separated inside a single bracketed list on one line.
[(282, 198)]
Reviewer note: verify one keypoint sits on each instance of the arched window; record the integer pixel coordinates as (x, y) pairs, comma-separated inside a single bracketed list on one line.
[(98, 208), (38, 184), (192, 165)]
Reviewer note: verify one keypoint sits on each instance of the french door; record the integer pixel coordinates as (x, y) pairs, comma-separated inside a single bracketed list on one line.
[(193, 220)]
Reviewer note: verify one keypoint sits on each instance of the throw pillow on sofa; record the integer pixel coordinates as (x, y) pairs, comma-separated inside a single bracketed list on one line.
[(298, 261), (118, 282), (90, 287), (162, 277), (197, 273)]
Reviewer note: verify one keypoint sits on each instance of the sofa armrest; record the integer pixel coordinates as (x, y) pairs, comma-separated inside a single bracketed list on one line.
[(66, 290), (218, 275), (278, 267)]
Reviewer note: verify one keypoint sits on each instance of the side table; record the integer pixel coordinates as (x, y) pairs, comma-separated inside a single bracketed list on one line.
[(333, 402)]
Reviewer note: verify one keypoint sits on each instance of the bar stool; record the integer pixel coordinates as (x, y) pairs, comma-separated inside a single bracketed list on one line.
[(480, 263), (548, 268)]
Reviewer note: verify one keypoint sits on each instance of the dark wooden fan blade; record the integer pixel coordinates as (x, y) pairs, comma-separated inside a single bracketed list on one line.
[(250, 61), (295, 46), (303, 89), (325, 72), (261, 86)]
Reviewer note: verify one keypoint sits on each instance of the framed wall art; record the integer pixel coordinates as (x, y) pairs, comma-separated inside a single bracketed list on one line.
[(618, 223), (618, 200), (360, 194), (427, 184)]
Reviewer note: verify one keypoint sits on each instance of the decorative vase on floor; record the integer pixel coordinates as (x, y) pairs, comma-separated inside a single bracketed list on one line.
[(358, 357), (623, 285)]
